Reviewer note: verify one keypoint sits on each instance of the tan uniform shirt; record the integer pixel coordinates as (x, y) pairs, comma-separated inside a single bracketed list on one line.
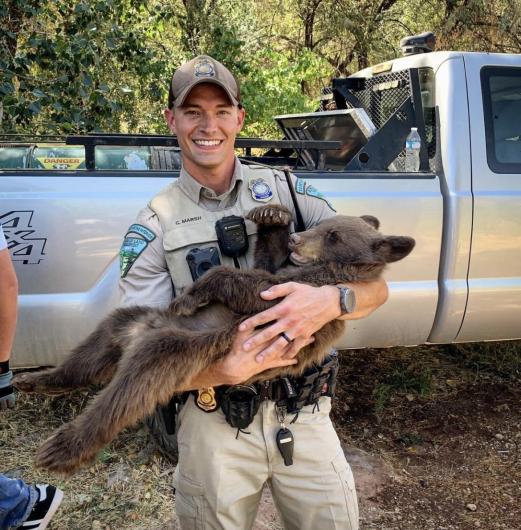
[(148, 280)]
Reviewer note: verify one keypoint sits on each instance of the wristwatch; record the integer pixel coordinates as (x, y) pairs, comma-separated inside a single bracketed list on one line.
[(347, 300)]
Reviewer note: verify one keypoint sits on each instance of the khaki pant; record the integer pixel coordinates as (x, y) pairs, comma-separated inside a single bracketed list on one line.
[(219, 479)]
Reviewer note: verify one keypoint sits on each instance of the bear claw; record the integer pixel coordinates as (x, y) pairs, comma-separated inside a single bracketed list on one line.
[(270, 215)]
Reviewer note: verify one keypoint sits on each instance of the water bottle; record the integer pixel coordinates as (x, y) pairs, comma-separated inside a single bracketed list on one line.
[(412, 151)]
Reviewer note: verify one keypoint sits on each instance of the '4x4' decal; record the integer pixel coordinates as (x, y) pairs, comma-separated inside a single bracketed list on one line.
[(17, 230)]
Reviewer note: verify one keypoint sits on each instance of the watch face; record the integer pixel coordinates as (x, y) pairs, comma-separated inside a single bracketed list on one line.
[(347, 300), (350, 300)]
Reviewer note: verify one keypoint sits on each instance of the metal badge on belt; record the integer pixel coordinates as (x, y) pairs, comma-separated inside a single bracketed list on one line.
[(206, 399)]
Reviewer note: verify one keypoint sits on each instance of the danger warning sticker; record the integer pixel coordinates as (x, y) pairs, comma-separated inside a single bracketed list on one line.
[(60, 163)]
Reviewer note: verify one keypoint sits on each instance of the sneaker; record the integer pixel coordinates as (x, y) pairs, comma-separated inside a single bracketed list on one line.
[(49, 498)]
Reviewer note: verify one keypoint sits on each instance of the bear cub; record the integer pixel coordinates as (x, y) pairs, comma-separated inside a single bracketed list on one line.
[(144, 355)]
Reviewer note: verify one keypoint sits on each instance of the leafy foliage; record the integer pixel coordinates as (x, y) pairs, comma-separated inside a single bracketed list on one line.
[(104, 65)]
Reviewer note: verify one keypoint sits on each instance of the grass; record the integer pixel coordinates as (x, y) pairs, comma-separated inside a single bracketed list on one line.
[(416, 377), (404, 379), (501, 358), (129, 487)]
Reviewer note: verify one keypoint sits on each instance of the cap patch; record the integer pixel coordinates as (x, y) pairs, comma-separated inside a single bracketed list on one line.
[(204, 68)]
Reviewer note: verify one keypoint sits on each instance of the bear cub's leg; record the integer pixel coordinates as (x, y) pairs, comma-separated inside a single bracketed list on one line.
[(273, 223)]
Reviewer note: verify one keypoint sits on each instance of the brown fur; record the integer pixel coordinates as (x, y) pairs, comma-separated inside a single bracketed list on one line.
[(145, 355)]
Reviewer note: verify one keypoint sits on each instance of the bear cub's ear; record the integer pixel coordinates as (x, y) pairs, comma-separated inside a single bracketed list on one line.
[(371, 220), (393, 248)]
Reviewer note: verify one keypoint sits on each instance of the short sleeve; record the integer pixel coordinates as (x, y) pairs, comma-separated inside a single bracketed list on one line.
[(313, 205), (144, 275)]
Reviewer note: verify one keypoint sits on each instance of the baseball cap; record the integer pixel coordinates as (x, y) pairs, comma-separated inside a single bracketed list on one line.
[(203, 69)]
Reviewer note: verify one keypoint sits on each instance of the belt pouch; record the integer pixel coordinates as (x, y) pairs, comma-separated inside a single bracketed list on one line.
[(240, 404)]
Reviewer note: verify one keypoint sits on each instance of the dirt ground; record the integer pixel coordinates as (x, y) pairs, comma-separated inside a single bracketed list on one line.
[(443, 424), (454, 453)]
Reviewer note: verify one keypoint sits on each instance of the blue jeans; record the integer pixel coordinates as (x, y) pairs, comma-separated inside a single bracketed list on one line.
[(16, 501)]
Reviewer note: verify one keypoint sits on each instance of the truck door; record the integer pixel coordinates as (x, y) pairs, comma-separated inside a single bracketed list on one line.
[(494, 279)]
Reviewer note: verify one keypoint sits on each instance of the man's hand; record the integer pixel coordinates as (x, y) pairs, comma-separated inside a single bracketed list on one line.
[(7, 397), (303, 311), (240, 365)]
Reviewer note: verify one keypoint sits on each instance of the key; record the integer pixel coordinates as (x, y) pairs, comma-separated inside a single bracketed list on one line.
[(285, 443)]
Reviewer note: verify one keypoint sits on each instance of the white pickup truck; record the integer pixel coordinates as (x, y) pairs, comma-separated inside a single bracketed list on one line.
[(462, 282)]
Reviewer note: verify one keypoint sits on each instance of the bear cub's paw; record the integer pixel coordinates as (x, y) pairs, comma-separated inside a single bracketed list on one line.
[(185, 305), (64, 451), (41, 382), (270, 215)]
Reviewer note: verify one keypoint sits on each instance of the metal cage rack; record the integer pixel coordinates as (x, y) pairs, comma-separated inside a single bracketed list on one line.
[(393, 101)]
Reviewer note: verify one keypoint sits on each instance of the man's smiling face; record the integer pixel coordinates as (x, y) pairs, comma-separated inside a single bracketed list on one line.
[(206, 126)]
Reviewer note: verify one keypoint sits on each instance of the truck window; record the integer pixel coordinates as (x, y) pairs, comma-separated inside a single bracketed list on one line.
[(427, 85), (132, 158), (501, 88), (14, 157)]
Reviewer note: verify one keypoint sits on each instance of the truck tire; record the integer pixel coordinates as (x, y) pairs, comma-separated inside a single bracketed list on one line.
[(164, 442)]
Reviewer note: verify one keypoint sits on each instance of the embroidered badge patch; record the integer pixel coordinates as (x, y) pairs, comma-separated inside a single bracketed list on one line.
[(142, 231), (300, 186), (313, 192), (133, 247), (260, 190), (204, 68), (307, 189)]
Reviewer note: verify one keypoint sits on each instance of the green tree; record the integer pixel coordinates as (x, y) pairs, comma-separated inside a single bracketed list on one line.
[(104, 65), (76, 67)]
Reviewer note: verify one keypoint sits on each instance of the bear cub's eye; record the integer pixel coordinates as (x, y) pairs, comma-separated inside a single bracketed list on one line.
[(333, 237)]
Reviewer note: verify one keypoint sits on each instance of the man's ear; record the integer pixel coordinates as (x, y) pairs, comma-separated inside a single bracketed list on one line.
[(170, 120), (393, 248), (241, 115), (371, 220)]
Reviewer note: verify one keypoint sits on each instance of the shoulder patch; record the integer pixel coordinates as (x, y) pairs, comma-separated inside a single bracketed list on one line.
[(131, 249), (313, 192), (300, 186), (307, 189), (133, 246), (142, 231)]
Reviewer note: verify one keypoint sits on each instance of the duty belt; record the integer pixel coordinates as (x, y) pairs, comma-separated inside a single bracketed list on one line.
[(295, 393), (240, 403)]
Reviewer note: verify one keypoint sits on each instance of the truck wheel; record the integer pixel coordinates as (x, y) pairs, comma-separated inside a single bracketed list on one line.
[(165, 443)]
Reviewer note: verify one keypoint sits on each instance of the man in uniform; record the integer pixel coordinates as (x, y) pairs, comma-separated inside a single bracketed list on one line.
[(221, 470)]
